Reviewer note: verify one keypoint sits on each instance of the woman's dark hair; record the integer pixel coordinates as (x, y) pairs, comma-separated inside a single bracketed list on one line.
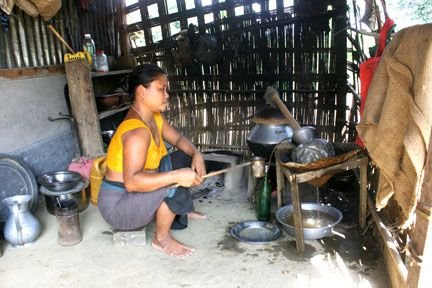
[(143, 75)]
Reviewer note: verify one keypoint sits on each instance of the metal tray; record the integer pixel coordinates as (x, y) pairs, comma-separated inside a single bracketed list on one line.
[(255, 232), (16, 179)]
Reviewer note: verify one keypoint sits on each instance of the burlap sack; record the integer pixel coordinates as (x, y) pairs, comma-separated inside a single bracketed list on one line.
[(397, 118), (28, 7), (47, 8), (7, 6)]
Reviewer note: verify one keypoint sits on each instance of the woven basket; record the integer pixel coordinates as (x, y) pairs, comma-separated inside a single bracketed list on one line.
[(343, 151)]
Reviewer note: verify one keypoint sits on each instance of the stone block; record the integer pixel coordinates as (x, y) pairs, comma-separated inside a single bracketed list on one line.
[(131, 237)]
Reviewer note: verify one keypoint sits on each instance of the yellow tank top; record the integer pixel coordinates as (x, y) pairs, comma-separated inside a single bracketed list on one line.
[(114, 157)]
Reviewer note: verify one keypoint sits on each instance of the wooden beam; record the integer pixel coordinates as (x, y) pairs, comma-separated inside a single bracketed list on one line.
[(363, 195), (121, 28), (83, 108), (340, 23), (298, 217), (395, 266), (15, 73)]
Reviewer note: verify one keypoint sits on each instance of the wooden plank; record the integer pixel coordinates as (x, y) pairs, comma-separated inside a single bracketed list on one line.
[(110, 73), (420, 248), (15, 73), (395, 278), (280, 182), (395, 265), (111, 112), (83, 108), (363, 196), (298, 218)]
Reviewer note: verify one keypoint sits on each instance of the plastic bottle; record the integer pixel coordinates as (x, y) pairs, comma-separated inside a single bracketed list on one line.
[(101, 61), (89, 46), (263, 204)]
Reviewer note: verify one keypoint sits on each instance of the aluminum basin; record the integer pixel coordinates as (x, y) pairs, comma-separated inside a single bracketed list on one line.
[(318, 219)]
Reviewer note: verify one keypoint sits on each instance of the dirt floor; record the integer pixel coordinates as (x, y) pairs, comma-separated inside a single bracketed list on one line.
[(219, 260)]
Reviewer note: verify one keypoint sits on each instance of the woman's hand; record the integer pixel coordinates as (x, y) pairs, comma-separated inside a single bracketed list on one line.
[(187, 177), (198, 164)]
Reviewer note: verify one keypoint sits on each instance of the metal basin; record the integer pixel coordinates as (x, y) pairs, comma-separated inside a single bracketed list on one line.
[(318, 219), (59, 181), (255, 232)]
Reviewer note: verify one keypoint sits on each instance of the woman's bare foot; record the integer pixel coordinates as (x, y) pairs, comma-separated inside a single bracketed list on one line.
[(196, 215), (170, 246)]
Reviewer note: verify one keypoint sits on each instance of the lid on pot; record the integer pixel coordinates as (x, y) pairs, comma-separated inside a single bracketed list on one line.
[(269, 115)]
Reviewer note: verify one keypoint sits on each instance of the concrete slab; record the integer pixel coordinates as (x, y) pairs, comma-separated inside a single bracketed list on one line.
[(218, 260)]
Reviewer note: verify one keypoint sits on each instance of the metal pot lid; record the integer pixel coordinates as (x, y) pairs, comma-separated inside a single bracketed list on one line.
[(269, 115), (270, 134), (255, 232), (82, 184), (17, 179)]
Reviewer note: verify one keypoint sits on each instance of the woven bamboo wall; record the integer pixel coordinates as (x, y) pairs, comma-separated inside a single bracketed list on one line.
[(299, 49), (293, 49)]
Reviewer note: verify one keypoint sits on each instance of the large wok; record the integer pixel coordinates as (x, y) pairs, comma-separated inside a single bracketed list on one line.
[(270, 128)]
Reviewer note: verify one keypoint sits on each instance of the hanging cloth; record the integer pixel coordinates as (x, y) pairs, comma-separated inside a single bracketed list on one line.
[(397, 119), (368, 67)]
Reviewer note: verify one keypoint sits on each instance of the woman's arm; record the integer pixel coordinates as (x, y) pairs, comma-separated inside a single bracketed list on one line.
[(172, 136), (135, 147)]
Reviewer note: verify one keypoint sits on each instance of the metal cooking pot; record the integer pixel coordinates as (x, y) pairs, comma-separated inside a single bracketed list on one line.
[(264, 137), (80, 193), (82, 198)]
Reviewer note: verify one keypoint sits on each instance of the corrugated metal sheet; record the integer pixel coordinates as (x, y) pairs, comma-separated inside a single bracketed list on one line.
[(29, 43)]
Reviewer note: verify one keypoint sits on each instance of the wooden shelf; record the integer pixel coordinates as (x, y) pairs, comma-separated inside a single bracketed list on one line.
[(107, 113), (110, 73)]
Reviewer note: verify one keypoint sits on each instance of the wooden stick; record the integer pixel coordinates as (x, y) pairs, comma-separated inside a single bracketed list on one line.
[(60, 38), (272, 95), (214, 173)]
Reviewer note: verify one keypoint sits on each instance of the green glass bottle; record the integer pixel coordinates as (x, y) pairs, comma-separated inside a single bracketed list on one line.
[(263, 204)]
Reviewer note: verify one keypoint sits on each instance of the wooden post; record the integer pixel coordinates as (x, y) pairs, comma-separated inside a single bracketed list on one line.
[(298, 219), (420, 248), (83, 108), (340, 24), (280, 182), (363, 195), (121, 28)]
